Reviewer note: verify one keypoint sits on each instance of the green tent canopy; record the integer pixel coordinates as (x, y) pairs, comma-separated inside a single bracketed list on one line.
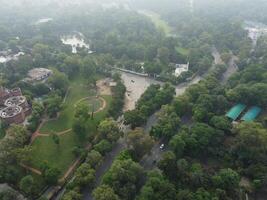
[(251, 114), (235, 111)]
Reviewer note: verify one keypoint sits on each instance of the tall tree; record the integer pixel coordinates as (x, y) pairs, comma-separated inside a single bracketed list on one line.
[(104, 192), (140, 142)]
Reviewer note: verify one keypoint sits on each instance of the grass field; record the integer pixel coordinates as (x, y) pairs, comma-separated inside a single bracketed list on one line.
[(158, 21), (182, 51), (61, 156), (77, 91)]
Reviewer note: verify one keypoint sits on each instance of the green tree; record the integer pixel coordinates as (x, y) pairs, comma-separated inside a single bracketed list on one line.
[(88, 67), (9, 195), (168, 164), (250, 143), (221, 122), (157, 187), (94, 159), (181, 105), (23, 155), (59, 81), (103, 147), (177, 145), (134, 118), (163, 55), (80, 127), (124, 178), (104, 192), (109, 130), (167, 126), (27, 184), (53, 104), (139, 142), (82, 111), (51, 175), (226, 179), (72, 65), (72, 195), (84, 176)]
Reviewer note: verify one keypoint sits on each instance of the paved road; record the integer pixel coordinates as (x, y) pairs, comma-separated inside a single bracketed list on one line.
[(232, 68), (150, 161)]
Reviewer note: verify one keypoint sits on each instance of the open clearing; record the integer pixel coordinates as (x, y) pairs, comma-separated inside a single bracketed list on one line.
[(182, 51), (158, 21)]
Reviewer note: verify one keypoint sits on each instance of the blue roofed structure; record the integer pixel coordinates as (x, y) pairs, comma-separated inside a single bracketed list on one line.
[(251, 114), (235, 111)]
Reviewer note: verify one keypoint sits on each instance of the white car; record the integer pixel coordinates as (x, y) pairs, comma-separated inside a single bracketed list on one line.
[(162, 146)]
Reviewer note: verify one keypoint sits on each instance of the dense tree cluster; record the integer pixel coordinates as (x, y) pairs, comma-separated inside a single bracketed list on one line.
[(122, 180), (118, 93), (207, 157), (108, 134)]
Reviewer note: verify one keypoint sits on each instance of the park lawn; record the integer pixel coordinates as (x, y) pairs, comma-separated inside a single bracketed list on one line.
[(61, 156), (78, 90), (182, 51)]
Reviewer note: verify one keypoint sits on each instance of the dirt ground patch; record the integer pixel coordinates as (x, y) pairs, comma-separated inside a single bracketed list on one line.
[(103, 87)]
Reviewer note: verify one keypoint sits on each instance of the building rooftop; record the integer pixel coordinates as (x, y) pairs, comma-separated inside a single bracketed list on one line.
[(10, 111), (236, 111), (180, 68), (251, 114), (15, 101), (38, 74)]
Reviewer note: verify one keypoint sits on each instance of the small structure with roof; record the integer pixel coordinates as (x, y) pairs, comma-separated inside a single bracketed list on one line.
[(251, 114), (180, 68), (236, 111), (112, 84)]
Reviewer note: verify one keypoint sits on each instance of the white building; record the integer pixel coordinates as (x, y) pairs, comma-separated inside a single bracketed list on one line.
[(180, 68)]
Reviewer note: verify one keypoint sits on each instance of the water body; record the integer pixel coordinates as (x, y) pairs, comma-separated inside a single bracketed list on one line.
[(75, 41)]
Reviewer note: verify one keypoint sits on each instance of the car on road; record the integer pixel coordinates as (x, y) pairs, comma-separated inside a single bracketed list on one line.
[(162, 146)]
